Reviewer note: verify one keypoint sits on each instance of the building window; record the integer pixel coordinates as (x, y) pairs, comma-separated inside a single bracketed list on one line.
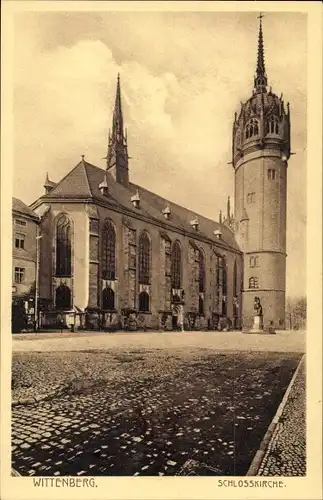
[(201, 272), (272, 126), (63, 246), (19, 274), (144, 259), (235, 281), (176, 265), (251, 197), (271, 174), (108, 251), (224, 286), (143, 302), (252, 128), (253, 282), (201, 305), (20, 241), (63, 298), (20, 222), (108, 299), (254, 261)]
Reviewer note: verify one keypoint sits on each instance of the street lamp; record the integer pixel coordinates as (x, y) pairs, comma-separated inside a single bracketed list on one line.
[(38, 237)]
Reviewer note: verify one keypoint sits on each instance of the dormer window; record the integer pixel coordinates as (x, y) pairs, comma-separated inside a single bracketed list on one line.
[(217, 233), (104, 190), (166, 212), (195, 224), (136, 200), (252, 128)]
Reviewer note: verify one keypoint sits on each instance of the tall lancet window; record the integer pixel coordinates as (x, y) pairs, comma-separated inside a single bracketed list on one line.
[(224, 286), (201, 272), (201, 281), (144, 259), (252, 128), (176, 265), (235, 281), (272, 126), (108, 251), (63, 246)]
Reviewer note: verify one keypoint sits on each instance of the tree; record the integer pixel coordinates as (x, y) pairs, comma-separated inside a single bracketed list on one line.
[(296, 311)]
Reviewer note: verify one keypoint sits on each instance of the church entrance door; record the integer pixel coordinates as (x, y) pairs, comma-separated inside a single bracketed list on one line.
[(175, 312)]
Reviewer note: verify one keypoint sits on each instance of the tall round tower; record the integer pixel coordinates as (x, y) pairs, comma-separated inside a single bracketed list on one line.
[(261, 149)]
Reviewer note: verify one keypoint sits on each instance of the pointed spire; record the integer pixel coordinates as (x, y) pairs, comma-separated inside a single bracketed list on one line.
[(117, 156), (220, 217), (117, 127), (260, 81), (228, 210)]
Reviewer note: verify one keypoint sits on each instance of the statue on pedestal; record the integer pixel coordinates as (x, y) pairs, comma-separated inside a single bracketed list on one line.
[(258, 319)]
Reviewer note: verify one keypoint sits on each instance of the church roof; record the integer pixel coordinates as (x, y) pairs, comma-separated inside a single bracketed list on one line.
[(82, 183), (23, 209)]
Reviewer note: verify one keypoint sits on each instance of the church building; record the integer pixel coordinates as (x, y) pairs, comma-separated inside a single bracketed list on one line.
[(115, 255)]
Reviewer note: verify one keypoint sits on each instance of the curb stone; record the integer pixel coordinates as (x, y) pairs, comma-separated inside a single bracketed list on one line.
[(258, 458)]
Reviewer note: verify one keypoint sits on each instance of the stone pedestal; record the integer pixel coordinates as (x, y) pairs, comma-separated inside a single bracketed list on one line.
[(258, 325)]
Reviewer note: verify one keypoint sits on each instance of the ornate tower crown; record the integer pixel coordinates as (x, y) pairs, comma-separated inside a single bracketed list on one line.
[(263, 122)]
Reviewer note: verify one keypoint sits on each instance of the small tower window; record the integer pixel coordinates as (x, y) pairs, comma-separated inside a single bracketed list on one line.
[(254, 261), (252, 128), (253, 282), (251, 197), (271, 174), (272, 126)]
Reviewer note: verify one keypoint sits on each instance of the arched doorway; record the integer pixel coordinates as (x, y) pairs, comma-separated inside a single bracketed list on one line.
[(143, 302), (63, 298), (108, 299)]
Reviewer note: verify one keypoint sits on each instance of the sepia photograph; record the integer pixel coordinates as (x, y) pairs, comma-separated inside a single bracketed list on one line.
[(158, 315)]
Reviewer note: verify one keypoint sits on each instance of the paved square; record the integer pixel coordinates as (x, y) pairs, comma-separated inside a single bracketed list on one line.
[(144, 411)]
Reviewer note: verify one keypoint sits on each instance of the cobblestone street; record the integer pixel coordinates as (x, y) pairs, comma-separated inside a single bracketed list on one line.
[(286, 452), (144, 412)]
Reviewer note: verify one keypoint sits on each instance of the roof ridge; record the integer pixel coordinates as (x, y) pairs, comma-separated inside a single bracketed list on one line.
[(197, 214), (63, 178), (84, 164)]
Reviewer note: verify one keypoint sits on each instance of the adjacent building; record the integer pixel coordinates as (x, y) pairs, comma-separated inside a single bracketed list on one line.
[(24, 262)]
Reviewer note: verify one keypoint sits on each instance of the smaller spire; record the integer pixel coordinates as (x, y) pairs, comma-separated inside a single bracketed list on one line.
[(47, 181), (228, 209), (220, 217)]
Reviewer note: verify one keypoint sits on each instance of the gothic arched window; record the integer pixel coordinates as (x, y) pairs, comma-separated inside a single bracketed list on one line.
[(63, 298), (63, 246), (108, 251), (272, 126), (235, 281), (224, 285), (144, 259), (252, 128), (143, 302), (201, 273), (176, 265), (201, 305), (108, 299)]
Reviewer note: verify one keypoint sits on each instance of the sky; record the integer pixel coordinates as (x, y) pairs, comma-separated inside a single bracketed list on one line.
[(183, 75)]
